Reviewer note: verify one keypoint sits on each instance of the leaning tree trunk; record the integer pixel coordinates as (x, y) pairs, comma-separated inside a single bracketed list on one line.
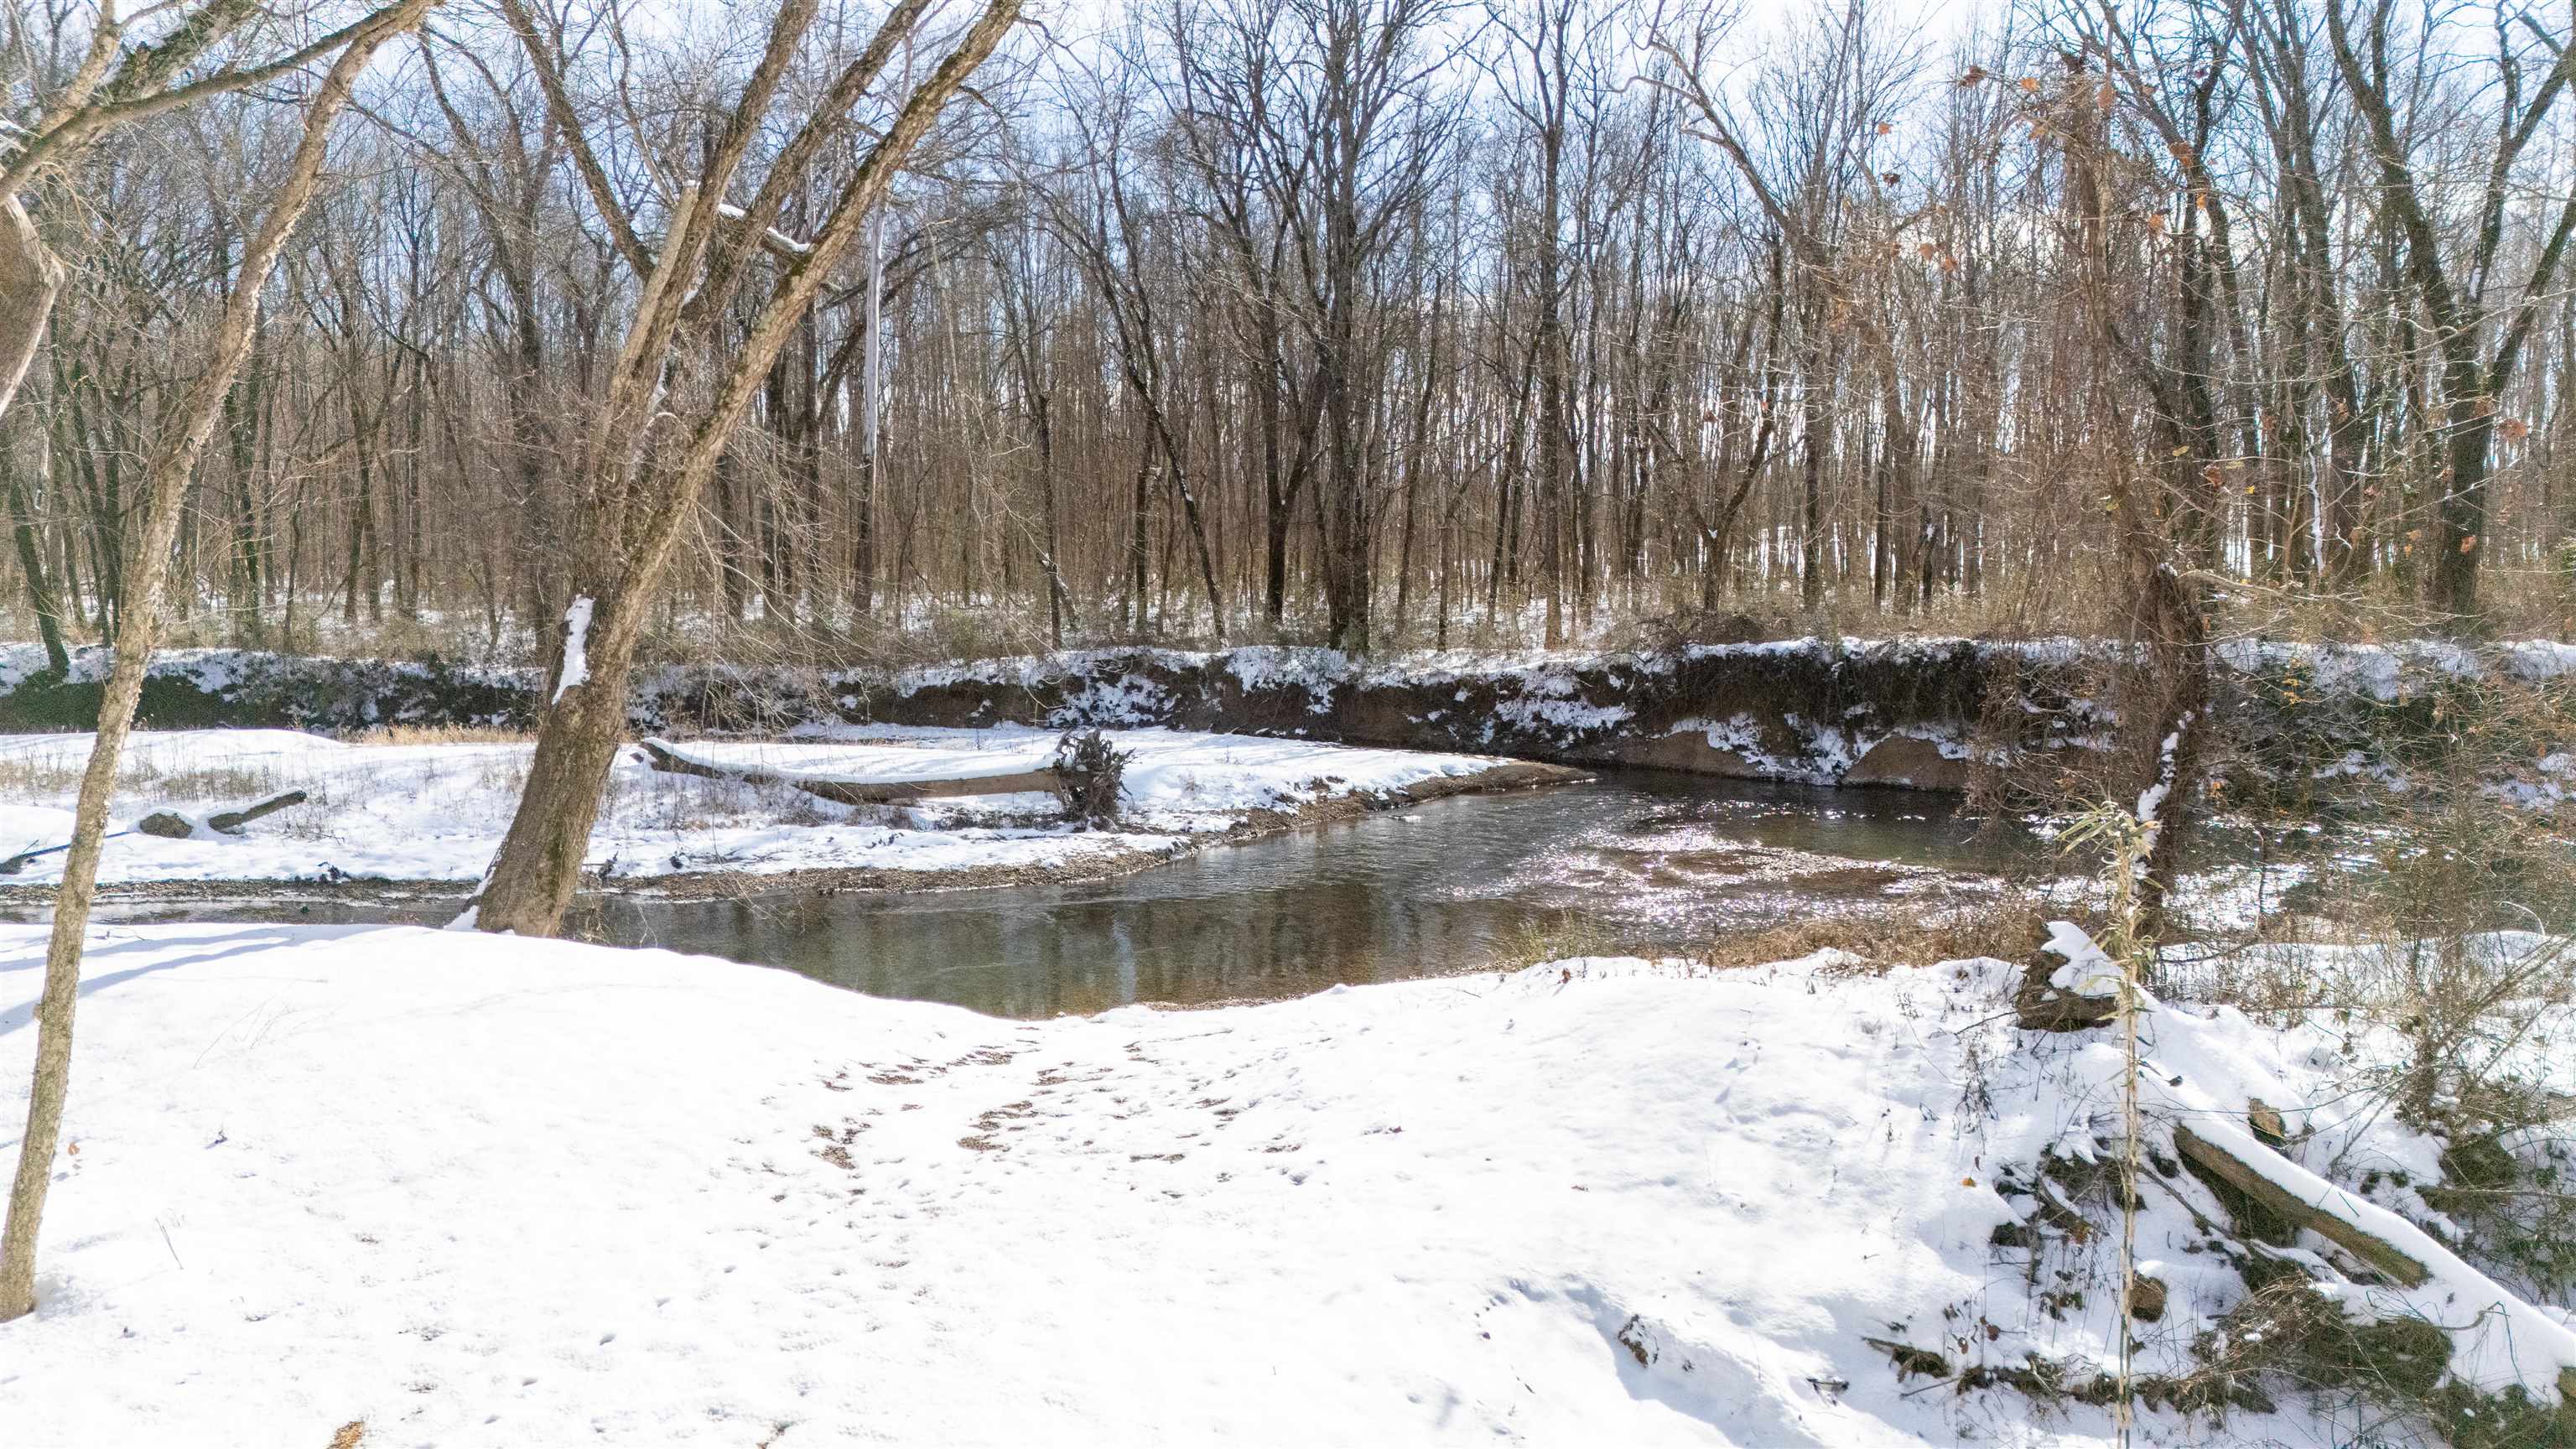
[(30, 278), (538, 867), (2174, 630), (147, 570)]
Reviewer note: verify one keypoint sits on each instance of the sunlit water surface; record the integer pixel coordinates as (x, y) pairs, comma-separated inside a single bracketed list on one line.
[(1639, 861)]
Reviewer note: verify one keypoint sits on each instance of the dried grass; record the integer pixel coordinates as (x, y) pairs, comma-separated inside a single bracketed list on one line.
[(2011, 925), (37, 776), (441, 734)]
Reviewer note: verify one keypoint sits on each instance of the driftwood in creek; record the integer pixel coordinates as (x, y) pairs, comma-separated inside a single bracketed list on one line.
[(855, 792)]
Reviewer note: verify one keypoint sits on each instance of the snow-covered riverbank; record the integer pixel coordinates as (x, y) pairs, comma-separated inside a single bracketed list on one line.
[(434, 812), (475, 1190)]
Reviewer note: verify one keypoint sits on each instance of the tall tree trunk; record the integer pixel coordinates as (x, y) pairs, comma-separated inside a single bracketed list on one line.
[(1811, 542), (31, 562)]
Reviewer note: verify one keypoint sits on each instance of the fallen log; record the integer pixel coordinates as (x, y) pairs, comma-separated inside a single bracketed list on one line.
[(230, 822), (854, 792), (2253, 1180), (171, 825)]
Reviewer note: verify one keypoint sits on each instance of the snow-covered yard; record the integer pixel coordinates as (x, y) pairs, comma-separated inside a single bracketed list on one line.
[(475, 1190), (436, 811)]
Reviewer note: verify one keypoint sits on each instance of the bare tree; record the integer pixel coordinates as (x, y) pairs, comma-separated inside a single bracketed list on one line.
[(1823, 100), (672, 404), (115, 85), (2480, 324), (1102, 218), (1362, 116), (147, 568), (1770, 332)]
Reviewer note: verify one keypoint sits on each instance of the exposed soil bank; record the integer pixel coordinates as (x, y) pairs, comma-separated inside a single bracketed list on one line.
[(1910, 713), (1894, 714), (1899, 714)]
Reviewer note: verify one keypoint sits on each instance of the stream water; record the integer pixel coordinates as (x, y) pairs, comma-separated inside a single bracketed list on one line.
[(1640, 860)]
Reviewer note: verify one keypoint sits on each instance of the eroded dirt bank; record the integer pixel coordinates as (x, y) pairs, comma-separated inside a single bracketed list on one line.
[(1912, 713), (1893, 714)]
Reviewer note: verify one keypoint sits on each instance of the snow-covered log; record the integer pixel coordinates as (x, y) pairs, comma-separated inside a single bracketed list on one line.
[(671, 760), (2264, 1182), (173, 825)]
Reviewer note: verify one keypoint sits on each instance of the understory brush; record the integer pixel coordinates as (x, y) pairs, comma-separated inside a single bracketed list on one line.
[(1091, 777), (2418, 1062), (1564, 936), (39, 775), (2435, 1035)]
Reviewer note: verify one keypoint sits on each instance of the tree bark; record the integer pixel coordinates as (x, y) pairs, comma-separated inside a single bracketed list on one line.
[(31, 562), (147, 572), (30, 279)]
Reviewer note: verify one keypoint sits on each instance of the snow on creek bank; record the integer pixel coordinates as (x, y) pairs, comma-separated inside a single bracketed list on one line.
[(436, 812), (484, 1191)]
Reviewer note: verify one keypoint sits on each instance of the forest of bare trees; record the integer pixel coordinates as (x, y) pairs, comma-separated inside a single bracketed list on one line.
[(1377, 322), (582, 335)]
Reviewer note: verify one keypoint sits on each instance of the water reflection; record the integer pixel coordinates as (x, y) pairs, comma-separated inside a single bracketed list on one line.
[(1649, 861), (1642, 860)]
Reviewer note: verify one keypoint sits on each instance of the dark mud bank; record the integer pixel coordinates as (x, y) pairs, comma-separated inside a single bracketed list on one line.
[(1900, 714), (1914, 713)]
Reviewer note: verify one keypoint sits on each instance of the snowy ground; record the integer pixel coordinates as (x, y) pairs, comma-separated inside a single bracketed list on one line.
[(484, 1191), (435, 812)]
